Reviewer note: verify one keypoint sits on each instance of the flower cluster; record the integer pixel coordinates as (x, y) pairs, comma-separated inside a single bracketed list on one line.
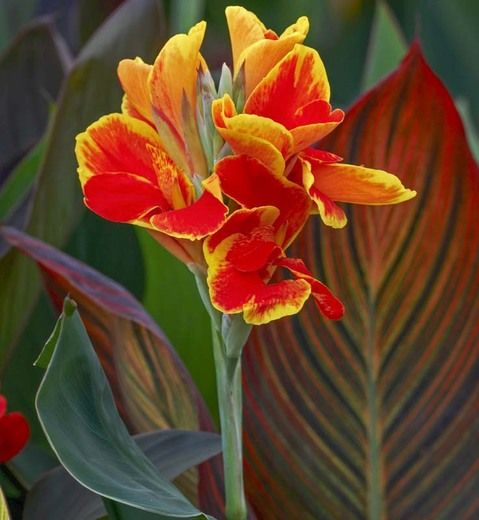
[(14, 432), (225, 178)]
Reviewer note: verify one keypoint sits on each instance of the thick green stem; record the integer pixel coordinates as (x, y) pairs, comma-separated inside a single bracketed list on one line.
[(228, 377)]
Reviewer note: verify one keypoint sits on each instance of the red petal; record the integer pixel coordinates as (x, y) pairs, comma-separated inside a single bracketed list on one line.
[(116, 143), (3, 405), (251, 184), (327, 303), (123, 197), (202, 218), (298, 80), (14, 434), (255, 251)]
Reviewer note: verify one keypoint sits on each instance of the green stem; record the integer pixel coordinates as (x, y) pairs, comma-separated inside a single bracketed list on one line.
[(228, 377)]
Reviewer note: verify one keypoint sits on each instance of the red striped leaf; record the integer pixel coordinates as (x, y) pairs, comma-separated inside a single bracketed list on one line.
[(376, 416), (152, 388)]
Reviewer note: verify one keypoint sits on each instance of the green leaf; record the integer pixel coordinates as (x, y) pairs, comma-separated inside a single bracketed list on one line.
[(171, 297), (184, 14), (31, 73), (13, 15), (20, 181), (151, 386), (77, 411), (57, 494), (376, 416), (387, 46), (463, 106), (91, 90)]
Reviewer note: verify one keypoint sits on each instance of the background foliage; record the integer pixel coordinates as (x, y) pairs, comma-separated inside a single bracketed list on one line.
[(57, 71)]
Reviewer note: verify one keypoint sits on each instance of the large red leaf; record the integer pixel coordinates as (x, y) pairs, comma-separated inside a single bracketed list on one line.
[(376, 416), (152, 388)]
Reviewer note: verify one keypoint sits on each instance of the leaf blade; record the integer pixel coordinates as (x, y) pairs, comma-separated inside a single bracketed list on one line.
[(382, 402), (74, 396)]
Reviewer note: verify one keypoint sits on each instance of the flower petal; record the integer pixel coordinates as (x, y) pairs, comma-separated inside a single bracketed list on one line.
[(257, 48), (231, 288), (331, 214), (277, 300), (133, 75), (245, 28), (116, 143), (251, 184), (256, 136), (14, 434), (3, 406), (327, 303), (202, 218), (174, 75), (124, 197), (258, 59), (297, 80), (359, 185)]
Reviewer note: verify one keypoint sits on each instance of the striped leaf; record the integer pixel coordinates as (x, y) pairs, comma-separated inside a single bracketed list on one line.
[(376, 416), (151, 386)]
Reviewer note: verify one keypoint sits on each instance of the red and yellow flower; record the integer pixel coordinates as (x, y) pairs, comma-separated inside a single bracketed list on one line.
[(145, 166), (150, 165), (250, 246), (14, 432)]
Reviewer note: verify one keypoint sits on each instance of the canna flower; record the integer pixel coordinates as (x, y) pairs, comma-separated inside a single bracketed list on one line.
[(14, 432), (257, 49), (289, 109), (145, 166), (244, 254)]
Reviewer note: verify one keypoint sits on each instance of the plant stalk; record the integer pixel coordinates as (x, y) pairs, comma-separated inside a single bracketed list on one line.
[(228, 377)]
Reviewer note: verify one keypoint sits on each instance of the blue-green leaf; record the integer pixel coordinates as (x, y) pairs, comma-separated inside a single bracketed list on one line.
[(77, 411)]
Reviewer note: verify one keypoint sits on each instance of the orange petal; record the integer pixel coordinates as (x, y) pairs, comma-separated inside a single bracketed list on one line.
[(296, 81), (123, 197), (133, 75), (245, 28), (359, 185), (116, 143), (327, 303), (258, 137), (251, 184), (259, 58), (202, 218), (174, 75), (331, 214)]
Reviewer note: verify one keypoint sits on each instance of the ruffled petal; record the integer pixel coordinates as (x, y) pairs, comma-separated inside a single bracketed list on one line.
[(174, 75), (297, 80), (327, 303), (259, 58), (202, 218), (277, 300), (256, 136), (133, 75), (359, 185), (238, 257), (245, 28), (257, 48), (331, 214), (251, 184), (116, 143), (124, 197)]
